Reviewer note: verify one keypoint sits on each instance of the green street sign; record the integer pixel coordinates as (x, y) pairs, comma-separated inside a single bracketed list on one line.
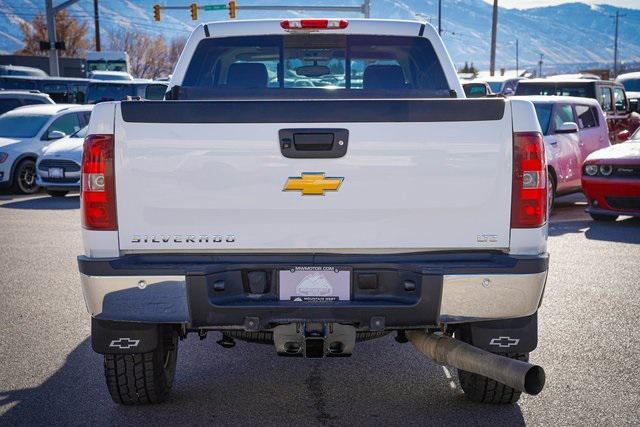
[(215, 7)]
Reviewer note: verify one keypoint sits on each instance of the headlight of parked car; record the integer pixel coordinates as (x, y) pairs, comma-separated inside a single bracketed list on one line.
[(591, 170), (3, 157), (605, 170)]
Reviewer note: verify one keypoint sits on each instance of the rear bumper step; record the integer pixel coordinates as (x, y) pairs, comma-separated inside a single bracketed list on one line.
[(411, 290)]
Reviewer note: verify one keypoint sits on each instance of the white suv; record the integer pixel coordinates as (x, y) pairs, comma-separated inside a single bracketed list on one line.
[(26, 131)]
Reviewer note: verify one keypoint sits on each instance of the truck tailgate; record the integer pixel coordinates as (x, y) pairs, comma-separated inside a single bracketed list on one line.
[(417, 175)]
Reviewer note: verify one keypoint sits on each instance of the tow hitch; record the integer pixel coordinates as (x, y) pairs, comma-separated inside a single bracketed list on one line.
[(314, 340)]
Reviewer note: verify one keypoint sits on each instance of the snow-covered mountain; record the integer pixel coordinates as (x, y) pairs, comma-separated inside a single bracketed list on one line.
[(569, 34)]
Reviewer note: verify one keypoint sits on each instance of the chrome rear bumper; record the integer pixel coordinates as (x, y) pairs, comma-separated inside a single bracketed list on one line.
[(179, 298)]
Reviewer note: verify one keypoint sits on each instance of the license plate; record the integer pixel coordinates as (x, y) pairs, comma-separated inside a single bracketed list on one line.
[(315, 284), (56, 173)]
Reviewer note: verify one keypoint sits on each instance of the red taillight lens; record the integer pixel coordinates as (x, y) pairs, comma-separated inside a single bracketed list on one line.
[(529, 191), (314, 24), (98, 184)]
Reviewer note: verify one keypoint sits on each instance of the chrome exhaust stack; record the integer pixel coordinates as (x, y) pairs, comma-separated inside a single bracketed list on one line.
[(445, 350)]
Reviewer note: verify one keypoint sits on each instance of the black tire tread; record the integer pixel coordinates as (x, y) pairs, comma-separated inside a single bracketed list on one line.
[(135, 379), (15, 186), (480, 389)]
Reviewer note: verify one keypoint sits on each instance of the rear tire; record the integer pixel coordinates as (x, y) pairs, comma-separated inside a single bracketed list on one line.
[(24, 178), (551, 194), (136, 379), (57, 193), (480, 389), (604, 218)]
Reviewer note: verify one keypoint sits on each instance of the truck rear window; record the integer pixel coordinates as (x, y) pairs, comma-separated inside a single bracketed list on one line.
[(101, 92), (314, 65), (559, 89)]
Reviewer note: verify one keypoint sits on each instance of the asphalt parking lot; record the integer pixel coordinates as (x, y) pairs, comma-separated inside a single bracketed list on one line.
[(589, 345)]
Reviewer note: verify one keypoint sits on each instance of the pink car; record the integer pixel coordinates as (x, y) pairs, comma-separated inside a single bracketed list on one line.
[(573, 128)]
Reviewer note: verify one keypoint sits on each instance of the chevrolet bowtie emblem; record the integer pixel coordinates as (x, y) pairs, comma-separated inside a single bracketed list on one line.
[(312, 183)]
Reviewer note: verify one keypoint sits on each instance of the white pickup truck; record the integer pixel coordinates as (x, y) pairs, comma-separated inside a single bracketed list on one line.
[(309, 184)]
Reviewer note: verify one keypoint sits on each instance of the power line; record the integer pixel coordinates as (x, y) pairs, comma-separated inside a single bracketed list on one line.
[(617, 17)]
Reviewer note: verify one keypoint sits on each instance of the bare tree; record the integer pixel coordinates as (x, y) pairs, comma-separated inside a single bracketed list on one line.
[(175, 49), (68, 29), (150, 57)]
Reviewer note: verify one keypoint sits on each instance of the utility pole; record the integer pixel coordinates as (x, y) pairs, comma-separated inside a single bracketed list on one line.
[(50, 11), (51, 33), (517, 62), (540, 65), (440, 18), (617, 17), (96, 20), (494, 29)]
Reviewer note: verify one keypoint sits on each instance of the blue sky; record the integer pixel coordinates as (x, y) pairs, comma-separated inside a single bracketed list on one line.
[(525, 4)]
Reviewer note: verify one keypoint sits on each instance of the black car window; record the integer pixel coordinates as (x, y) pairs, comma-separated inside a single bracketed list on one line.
[(67, 124), (619, 99), (605, 99), (543, 111), (563, 114), (99, 92), (596, 114), (554, 88), (8, 104), (586, 118), (155, 92), (78, 93), (84, 118), (59, 92)]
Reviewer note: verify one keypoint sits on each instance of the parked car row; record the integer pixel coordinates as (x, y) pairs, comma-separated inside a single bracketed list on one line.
[(572, 129), (28, 133), (87, 91), (621, 120)]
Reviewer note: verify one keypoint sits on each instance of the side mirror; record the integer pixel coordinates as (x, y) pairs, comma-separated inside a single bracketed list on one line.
[(623, 135), (55, 134), (567, 127)]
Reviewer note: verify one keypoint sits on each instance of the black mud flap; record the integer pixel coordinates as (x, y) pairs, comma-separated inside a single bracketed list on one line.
[(109, 337), (503, 336)]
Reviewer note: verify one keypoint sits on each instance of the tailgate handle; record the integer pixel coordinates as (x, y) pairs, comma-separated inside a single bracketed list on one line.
[(313, 143)]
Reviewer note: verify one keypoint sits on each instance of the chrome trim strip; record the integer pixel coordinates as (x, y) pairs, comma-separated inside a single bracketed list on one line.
[(465, 297), (480, 297), (136, 298)]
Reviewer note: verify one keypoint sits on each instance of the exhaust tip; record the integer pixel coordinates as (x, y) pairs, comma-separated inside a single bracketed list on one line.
[(534, 380)]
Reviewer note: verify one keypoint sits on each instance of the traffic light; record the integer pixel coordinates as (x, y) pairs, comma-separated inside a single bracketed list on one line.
[(194, 11), (232, 9), (156, 12)]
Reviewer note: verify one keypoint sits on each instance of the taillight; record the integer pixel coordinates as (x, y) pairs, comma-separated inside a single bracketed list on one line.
[(314, 24), (529, 191), (98, 184)]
